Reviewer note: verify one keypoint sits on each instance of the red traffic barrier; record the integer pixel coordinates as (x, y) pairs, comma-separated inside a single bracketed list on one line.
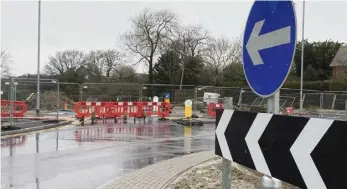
[(19, 108), (119, 109), (160, 109), (290, 110), (211, 109), (114, 109)]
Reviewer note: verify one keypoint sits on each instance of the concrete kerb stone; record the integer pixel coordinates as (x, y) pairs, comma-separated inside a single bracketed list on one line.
[(203, 120), (161, 174), (31, 129)]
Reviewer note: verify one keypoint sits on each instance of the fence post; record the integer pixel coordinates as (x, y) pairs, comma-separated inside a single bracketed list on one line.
[(58, 98), (333, 104), (81, 91), (140, 91), (11, 102), (240, 98), (226, 164), (321, 104), (196, 100)]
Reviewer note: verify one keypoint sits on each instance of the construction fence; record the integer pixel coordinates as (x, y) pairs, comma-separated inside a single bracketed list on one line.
[(328, 100), (69, 93)]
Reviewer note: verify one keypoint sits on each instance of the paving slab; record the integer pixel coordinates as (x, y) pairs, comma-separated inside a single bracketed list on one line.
[(161, 174)]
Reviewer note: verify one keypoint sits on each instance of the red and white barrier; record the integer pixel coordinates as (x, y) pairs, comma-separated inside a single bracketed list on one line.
[(120, 109), (211, 109), (19, 108), (290, 110)]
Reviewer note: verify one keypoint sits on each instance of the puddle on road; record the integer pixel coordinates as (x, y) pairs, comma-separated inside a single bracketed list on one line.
[(66, 156)]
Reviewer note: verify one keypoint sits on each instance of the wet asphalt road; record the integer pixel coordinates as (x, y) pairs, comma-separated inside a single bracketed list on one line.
[(86, 157)]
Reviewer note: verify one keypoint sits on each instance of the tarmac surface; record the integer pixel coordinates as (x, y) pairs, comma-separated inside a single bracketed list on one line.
[(86, 157)]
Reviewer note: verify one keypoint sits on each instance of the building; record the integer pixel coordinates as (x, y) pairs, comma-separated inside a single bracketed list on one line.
[(339, 64)]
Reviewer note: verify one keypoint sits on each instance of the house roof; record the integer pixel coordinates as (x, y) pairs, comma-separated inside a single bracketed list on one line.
[(340, 58)]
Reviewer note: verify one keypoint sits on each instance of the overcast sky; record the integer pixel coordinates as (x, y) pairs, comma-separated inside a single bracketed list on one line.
[(88, 25)]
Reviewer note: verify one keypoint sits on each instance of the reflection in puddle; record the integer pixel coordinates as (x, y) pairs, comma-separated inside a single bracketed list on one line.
[(14, 141), (60, 155)]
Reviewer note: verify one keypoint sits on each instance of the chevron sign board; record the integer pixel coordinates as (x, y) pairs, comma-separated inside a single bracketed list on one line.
[(306, 152)]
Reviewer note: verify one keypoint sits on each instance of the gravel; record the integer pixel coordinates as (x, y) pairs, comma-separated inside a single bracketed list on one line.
[(209, 174)]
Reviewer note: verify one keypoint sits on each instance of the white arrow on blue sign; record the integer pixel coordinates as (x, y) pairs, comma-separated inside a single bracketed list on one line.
[(269, 45)]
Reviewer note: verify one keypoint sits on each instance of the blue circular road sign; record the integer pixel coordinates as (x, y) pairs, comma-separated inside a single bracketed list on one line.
[(269, 45), (167, 95)]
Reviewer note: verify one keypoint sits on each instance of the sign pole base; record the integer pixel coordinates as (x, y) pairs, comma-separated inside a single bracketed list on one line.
[(226, 164), (273, 107), (273, 104), (226, 174)]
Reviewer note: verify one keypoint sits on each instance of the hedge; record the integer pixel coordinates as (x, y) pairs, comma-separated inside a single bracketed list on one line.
[(318, 85), (313, 85)]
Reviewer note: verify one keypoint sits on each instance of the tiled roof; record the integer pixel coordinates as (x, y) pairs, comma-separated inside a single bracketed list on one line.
[(340, 58)]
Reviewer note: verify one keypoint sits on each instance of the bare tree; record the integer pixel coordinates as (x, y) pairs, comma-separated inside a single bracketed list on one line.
[(222, 52), (95, 63), (5, 61), (112, 60), (124, 73), (101, 63), (187, 41), (144, 40), (69, 60)]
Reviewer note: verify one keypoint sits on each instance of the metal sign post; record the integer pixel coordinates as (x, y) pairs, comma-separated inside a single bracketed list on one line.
[(268, 52), (227, 166), (269, 44), (273, 107), (273, 104)]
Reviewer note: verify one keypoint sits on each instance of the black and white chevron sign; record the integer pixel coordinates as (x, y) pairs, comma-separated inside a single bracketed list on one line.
[(306, 152)]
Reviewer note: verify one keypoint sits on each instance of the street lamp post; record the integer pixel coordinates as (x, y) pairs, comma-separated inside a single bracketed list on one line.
[(302, 57), (83, 87), (38, 59), (11, 102)]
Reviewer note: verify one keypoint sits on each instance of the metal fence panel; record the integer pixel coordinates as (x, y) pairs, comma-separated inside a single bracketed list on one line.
[(177, 95), (110, 92)]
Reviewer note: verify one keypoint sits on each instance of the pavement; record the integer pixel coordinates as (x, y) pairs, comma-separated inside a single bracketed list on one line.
[(27, 124), (86, 157), (24, 123), (48, 125), (161, 174)]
